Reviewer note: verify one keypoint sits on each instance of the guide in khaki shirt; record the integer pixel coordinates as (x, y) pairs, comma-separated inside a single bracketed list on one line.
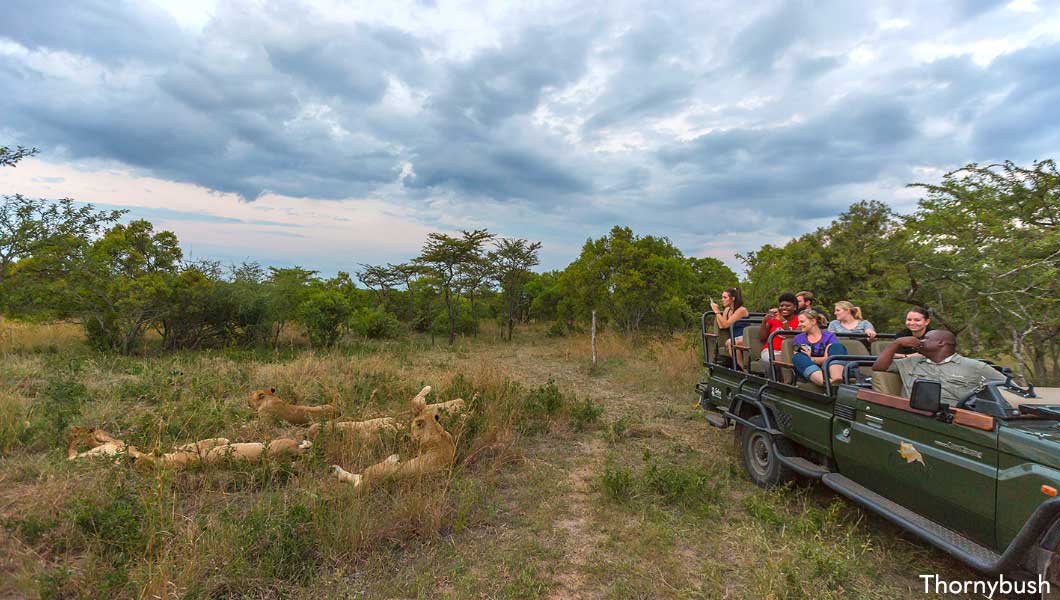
[(938, 360), (958, 375)]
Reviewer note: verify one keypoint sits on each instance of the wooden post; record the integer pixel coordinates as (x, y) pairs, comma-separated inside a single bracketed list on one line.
[(594, 338)]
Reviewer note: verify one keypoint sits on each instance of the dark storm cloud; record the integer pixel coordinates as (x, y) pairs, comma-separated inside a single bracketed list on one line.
[(620, 115), (350, 62), (1023, 122), (652, 79), (108, 30), (788, 169)]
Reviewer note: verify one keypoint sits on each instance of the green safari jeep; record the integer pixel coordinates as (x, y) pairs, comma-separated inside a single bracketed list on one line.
[(978, 480)]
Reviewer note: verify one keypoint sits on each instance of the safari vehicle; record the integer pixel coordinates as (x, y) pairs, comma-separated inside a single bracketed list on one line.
[(978, 480)]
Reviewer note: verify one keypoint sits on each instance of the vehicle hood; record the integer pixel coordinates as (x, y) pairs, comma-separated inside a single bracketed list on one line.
[(1034, 440)]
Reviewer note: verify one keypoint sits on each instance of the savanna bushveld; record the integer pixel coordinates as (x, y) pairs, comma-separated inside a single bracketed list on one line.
[(570, 478)]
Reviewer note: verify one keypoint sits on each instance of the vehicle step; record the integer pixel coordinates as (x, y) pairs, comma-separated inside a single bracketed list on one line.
[(719, 421), (802, 466), (928, 530)]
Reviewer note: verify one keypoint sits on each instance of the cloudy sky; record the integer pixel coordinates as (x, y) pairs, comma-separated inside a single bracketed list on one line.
[(333, 133)]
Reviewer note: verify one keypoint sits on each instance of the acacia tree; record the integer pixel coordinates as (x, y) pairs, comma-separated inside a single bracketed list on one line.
[(512, 260), (287, 287), (474, 275), (9, 157), (381, 280), (991, 236), (29, 226), (444, 256)]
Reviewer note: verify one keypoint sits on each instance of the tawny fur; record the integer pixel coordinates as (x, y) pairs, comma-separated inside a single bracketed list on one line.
[(361, 429), (443, 409), (208, 451), (100, 443), (437, 450), (272, 408)]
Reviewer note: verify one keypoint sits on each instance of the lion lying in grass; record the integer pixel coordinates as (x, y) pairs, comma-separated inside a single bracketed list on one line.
[(365, 429), (362, 429), (272, 408), (437, 450), (100, 443), (208, 451)]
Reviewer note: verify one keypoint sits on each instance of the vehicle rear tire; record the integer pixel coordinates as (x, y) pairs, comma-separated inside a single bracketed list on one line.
[(758, 458)]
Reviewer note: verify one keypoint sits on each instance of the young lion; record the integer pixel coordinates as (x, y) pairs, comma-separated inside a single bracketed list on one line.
[(101, 444), (270, 407), (207, 451), (437, 450), (362, 429)]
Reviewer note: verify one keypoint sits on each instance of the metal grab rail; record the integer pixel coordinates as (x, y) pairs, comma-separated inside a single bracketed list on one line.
[(849, 359), (770, 374)]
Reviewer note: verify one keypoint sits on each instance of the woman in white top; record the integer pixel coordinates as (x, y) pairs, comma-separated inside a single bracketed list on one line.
[(848, 320)]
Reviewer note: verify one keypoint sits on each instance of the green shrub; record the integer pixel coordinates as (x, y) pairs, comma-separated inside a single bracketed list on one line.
[(323, 313), (51, 583), (539, 406), (556, 330), (619, 429), (618, 483), (376, 324), (682, 485), (585, 413), (279, 541), (63, 399)]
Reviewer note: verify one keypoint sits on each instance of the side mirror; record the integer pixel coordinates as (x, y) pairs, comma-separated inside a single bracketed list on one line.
[(926, 396)]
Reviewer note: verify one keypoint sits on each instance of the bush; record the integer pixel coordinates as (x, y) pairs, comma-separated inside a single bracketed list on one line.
[(323, 313), (618, 483), (585, 413), (63, 398), (376, 324), (682, 485), (539, 406), (556, 330)]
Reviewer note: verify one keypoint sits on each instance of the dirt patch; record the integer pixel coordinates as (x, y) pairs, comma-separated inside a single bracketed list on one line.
[(577, 524)]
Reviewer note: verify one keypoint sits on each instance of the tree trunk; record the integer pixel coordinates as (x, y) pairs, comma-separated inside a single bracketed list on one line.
[(452, 317), (511, 319)]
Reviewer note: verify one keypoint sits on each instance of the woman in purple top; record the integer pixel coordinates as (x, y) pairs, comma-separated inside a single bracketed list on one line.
[(813, 346)]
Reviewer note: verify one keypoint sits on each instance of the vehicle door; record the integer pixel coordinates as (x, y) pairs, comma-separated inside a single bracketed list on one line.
[(946, 472)]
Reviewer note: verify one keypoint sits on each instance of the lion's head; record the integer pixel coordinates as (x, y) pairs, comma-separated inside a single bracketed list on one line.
[(426, 426), (258, 397)]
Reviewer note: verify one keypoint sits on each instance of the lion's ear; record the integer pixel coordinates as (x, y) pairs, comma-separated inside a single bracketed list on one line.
[(272, 390)]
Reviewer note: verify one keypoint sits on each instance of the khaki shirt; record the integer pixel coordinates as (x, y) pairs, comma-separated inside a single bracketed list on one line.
[(958, 375)]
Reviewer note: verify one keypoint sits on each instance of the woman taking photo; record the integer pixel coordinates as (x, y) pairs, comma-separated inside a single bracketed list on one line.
[(813, 347), (733, 316), (917, 323), (848, 320)]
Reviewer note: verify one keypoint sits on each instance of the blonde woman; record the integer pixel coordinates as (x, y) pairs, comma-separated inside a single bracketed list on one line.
[(848, 320), (813, 347)]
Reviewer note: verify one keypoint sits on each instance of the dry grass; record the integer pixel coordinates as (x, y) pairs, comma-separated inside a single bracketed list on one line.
[(548, 498), (16, 336)]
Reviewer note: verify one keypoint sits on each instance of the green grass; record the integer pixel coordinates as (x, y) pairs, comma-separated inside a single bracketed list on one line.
[(568, 481)]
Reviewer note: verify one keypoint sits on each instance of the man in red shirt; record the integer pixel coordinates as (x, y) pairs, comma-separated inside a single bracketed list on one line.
[(786, 319)]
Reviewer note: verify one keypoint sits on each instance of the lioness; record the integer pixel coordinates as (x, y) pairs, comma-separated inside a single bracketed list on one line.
[(206, 451), (437, 450), (270, 407), (357, 428)]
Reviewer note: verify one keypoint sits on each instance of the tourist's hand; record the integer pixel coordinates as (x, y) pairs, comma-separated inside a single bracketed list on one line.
[(871, 334), (713, 306)]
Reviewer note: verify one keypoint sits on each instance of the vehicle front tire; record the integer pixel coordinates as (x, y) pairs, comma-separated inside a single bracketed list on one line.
[(758, 458)]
